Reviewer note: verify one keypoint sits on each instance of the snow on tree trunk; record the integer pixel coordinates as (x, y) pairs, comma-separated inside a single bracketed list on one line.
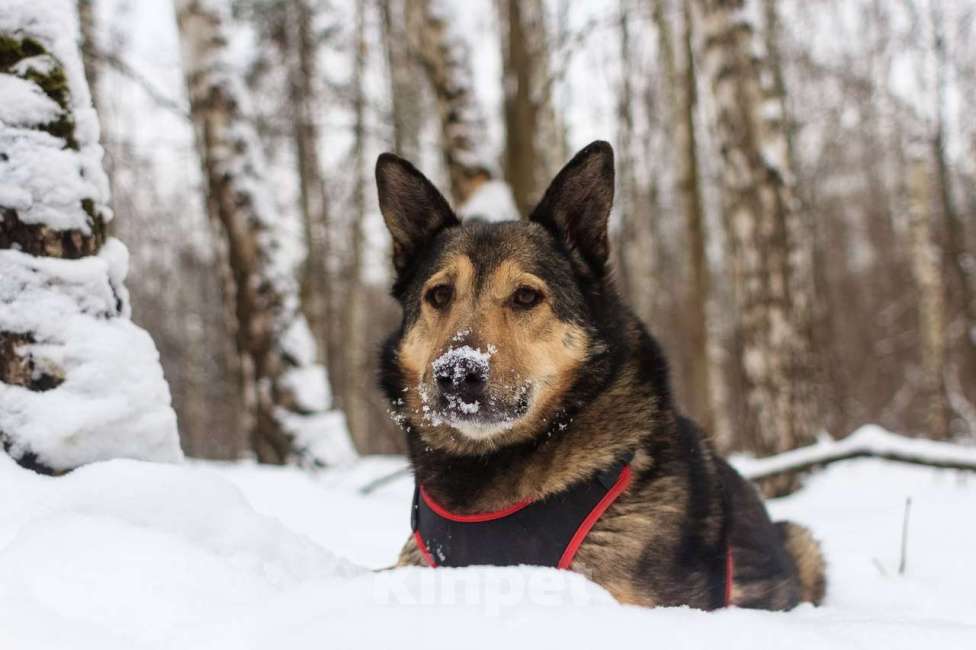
[(286, 393), (78, 381), (927, 269), (446, 59), (761, 215)]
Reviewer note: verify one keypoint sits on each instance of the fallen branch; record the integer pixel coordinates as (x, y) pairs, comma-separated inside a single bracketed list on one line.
[(867, 442), (385, 479)]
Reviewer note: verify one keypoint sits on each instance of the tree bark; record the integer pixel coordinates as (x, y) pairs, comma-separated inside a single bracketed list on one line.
[(405, 98), (761, 214), (955, 238), (531, 129), (355, 381), (301, 55), (445, 58), (688, 186), (285, 392), (926, 269)]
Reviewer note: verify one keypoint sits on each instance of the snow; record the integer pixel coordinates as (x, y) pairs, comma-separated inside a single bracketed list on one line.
[(458, 361), (492, 202), (29, 106), (114, 400), (43, 181), (869, 439), (127, 554)]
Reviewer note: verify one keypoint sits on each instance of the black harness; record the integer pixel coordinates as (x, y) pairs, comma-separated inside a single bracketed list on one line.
[(540, 533)]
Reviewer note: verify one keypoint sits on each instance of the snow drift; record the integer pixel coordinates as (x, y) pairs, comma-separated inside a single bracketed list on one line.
[(127, 554)]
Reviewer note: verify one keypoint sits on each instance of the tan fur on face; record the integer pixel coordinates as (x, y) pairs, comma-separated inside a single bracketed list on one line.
[(530, 349)]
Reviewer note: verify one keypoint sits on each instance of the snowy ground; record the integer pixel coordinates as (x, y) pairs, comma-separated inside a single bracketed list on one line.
[(129, 555)]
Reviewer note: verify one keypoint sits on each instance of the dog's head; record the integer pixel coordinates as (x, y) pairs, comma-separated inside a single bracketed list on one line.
[(496, 316)]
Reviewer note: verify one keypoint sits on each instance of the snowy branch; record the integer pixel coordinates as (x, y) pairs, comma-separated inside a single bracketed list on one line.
[(867, 442)]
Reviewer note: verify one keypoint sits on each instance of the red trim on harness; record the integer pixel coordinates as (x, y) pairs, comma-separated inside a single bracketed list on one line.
[(422, 547), (729, 566), (473, 518), (584, 528)]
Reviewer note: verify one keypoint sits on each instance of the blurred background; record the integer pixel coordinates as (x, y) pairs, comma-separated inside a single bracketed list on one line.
[(794, 216)]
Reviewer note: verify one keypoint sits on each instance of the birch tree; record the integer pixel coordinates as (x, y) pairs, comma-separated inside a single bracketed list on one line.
[(446, 59), (761, 215), (285, 392), (78, 381)]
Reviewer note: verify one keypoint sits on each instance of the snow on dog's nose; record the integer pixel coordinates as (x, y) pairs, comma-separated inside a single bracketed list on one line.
[(462, 376)]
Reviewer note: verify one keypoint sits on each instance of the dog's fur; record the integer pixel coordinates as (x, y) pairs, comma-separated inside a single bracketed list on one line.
[(575, 383)]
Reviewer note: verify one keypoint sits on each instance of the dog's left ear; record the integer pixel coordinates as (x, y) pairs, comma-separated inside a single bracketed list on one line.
[(413, 209), (576, 207)]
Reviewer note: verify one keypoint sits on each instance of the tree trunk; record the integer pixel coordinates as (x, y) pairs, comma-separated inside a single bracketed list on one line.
[(301, 54), (445, 58), (625, 248), (688, 187), (931, 298), (285, 392), (531, 130), (955, 240), (761, 214), (405, 98), (356, 379), (66, 342)]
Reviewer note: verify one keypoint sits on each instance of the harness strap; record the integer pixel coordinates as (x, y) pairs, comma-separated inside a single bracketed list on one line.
[(547, 532), (729, 568)]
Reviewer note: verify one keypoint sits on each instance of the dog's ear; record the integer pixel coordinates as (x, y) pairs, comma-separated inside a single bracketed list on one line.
[(576, 207), (413, 209)]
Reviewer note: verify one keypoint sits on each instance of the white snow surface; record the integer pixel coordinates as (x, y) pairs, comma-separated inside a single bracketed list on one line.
[(131, 555)]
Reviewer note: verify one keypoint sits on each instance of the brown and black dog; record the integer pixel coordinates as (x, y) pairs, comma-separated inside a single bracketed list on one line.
[(572, 383)]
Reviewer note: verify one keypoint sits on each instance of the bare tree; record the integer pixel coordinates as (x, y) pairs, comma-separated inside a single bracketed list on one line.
[(761, 213), (66, 341), (286, 393)]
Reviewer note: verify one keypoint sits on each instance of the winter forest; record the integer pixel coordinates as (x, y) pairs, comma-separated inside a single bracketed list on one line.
[(195, 276)]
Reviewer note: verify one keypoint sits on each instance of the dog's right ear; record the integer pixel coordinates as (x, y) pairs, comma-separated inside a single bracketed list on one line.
[(413, 209)]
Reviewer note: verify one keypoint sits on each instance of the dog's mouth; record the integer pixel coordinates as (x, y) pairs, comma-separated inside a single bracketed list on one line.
[(483, 417), (460, 393)]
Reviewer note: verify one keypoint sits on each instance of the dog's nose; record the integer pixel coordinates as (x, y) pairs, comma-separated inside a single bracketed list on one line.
[(463, 379)]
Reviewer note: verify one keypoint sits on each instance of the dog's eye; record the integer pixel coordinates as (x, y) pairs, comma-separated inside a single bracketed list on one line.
[(440, 296), (526, 297)]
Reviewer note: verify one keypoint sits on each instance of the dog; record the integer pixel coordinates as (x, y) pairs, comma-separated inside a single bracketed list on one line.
[(520, 378)]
